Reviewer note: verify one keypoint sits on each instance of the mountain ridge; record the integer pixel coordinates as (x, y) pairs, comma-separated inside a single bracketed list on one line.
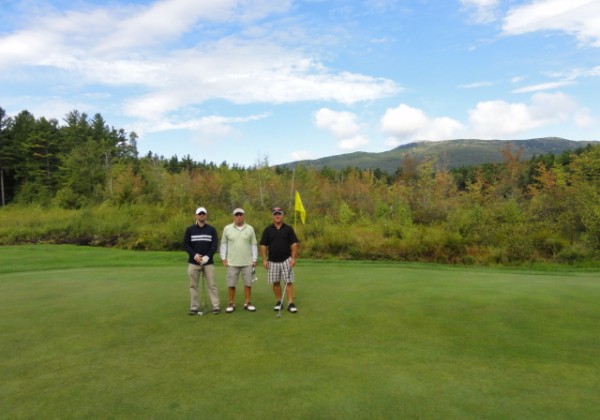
[(449, 153)]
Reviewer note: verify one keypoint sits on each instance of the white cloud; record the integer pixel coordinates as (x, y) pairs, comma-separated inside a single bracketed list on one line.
[(482, 11), (576, 73), (292, 77), (169, 19), (488, 120), (406, 123), (302, 155), (340, 124), (475, 85), (584, 119), (543, 86), (50, 108), (353, 143), (498, 119), (580, 18), (131, 47), (343, 125), (212, 122)]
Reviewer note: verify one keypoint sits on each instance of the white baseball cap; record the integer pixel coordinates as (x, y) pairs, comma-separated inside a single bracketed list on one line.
[(201, 210)]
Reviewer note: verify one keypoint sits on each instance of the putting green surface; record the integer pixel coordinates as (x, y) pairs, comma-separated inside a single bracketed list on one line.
[(99, 333)]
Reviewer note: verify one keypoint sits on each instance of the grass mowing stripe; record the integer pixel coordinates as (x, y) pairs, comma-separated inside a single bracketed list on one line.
[(369, 341)]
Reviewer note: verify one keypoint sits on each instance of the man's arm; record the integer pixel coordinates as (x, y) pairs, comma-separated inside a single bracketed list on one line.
[(213, 244), (187, 243), (294, 251), (263, 253)]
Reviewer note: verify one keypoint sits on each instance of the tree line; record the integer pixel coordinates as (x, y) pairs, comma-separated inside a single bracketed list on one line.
[(543, 209)]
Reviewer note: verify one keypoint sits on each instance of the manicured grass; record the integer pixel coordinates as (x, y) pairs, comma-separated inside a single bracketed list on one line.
[(102, 333)]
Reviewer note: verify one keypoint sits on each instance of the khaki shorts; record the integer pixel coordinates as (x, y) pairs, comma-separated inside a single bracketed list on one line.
[(233, 275)]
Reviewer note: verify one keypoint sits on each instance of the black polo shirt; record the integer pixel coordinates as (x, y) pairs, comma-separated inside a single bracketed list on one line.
[(279, 241)]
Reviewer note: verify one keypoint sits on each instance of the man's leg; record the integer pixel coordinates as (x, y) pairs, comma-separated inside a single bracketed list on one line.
[(289, 290), (231, 293), (193, 275), (248, 293), (211, 285), (232, 277), (288, 275), (274, 278), (277, 290), (247, 277)]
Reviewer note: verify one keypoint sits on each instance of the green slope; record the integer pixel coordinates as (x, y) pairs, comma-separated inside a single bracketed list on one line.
[(449, 154)]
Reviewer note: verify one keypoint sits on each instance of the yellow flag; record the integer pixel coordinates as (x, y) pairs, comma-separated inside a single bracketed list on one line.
[(299, 207)]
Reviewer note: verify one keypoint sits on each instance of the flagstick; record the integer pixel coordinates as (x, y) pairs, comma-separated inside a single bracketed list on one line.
[(292, 190), (292, 199)]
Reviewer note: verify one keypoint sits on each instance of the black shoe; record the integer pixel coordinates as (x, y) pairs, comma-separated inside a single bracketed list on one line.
[(193, 312), (277, 306), (292, 308), (216, 311)]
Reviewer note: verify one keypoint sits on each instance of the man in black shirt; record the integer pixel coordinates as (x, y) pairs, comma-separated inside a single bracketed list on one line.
[(280, 240)]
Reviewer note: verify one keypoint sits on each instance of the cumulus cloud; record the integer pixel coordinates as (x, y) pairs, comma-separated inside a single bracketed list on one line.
[(575, 17), (405, 123), (481, 11), (487, 120), (343, 126), (499, 119), (132, 47), (215, 73)]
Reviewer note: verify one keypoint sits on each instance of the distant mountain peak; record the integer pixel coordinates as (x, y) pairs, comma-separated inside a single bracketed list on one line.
[(455, 153)]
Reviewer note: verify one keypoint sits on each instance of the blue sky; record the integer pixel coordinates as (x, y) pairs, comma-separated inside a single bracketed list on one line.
[(281, 80)]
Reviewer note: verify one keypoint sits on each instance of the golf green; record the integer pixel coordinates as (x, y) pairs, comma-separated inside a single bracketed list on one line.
[(101, 333)]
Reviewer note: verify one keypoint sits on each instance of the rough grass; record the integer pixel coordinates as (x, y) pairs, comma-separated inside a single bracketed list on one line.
[(101, 333)]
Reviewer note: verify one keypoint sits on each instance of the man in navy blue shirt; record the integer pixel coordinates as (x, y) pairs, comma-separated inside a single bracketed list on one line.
[(281, 243), (200, 242)]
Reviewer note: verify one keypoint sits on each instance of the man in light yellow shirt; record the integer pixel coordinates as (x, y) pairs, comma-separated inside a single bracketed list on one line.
[(239, 252)]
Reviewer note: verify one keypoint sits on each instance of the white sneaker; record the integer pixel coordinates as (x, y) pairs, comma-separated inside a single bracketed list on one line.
[(277, 306), (230, 308), (249, 307)]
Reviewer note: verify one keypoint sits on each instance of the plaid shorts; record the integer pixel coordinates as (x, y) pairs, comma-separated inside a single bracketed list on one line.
[(280, 270)]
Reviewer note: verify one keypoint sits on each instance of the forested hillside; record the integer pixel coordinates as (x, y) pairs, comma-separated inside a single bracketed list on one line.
[(83, 182), (450, 154)]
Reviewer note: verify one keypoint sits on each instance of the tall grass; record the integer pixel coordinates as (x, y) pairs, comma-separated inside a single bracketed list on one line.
[(155, 227)]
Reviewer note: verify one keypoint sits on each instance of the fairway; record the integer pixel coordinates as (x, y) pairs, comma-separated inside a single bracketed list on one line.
[(102, 333)]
